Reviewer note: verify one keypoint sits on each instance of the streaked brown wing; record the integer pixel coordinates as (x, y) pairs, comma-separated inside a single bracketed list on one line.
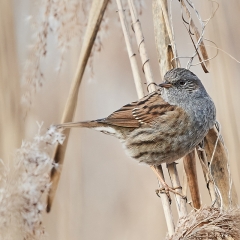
[(144, 111)]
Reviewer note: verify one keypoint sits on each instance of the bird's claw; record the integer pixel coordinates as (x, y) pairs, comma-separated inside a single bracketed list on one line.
[(166, 189)]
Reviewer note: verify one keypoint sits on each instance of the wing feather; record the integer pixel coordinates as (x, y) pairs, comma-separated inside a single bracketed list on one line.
[(144, 111)]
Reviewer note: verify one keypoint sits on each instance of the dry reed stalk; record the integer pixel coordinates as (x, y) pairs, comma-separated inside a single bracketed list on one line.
[(165, 52), (162, 4), (131, 54), (165, 203), (95, 17), (219, 169), (157, 171), (190, 167), (215, 164), (180, 202), (208, 178), (184, 183), (189, 163), (141, 46), (10, 117)]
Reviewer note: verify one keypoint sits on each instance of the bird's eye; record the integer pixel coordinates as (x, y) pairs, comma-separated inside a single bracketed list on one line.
[(181, 82)]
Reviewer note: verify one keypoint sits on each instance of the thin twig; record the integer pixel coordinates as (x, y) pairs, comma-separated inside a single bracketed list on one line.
[(165, 202), (180, 202), (141, 46), (184, 183), (200, 44), (198, 36), (131, 54)]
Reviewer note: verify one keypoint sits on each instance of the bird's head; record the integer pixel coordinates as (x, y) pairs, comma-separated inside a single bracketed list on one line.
[(181, 85)]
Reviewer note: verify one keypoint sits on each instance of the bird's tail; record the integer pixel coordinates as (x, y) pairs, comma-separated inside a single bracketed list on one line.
[(86, 124), (100, 125)]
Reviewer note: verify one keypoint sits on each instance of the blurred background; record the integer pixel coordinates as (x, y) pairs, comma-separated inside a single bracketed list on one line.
[(102, 193)]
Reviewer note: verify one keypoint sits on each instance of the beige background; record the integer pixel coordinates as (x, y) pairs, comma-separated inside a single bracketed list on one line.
[(102, 193)]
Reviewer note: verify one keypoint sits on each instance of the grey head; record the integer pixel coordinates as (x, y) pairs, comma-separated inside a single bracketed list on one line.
[(181, 86)]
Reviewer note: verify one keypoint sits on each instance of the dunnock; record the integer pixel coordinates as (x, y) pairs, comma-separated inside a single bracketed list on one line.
[(163, 126)]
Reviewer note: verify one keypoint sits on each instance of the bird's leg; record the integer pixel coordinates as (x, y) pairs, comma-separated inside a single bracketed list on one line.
[(165, 188)]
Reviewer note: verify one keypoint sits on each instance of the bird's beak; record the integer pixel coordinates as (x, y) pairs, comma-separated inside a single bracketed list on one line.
[(165, 85)]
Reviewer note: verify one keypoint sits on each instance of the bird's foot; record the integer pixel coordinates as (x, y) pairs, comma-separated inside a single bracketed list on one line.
[(166, 189)]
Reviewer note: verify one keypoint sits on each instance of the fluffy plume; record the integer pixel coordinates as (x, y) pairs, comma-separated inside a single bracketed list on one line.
[(60, 18), (22, 188)]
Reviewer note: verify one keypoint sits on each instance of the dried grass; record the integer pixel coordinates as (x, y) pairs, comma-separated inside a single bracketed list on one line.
[(60, 18), (209, 223), (22, 188)]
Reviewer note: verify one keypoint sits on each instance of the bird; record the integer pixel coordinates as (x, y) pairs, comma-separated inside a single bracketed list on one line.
[(163, 126)]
